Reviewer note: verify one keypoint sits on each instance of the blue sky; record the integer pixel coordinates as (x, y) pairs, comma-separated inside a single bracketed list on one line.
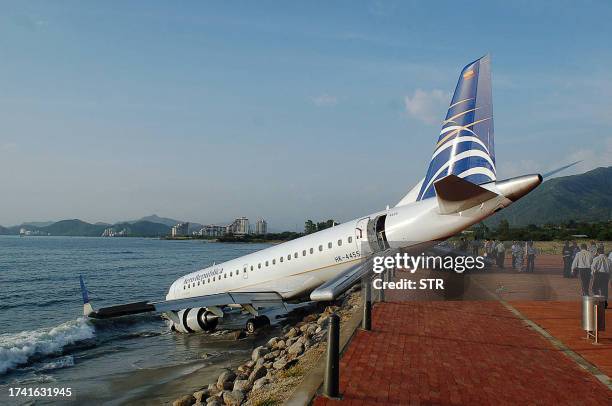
[(207, 111)]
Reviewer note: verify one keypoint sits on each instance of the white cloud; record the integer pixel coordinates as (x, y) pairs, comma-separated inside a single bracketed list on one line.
[(427, 106), (325, 100), (592, 157), (8, 147)]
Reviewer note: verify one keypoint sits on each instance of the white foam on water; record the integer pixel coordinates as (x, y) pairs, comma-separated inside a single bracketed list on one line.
[(62, 362), (17, 349)]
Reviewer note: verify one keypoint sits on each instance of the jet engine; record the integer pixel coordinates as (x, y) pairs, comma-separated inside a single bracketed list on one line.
[(197, 319)]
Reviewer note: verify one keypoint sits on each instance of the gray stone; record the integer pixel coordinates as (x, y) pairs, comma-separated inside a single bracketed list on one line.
[(280, 363), (233, 398), (303, 327), (280, 344), (212, 389), (226, 380), (201, 394), (269, 356), (186, 400), (292, 333), (272, 342), (258, 373), (268, 365), (291, 341), (258, 353), (214, 402), (260, 382), (259, 363), (243, 385), (312, 329), (296, 349)]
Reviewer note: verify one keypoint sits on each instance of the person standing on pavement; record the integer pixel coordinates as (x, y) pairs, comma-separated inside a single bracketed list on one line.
[(582, 264), (530, 253), (500, 249), (601, 274), (519, 256), (567, 254)]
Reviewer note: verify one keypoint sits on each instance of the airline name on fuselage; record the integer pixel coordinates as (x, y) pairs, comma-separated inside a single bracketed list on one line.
[(203, 275)]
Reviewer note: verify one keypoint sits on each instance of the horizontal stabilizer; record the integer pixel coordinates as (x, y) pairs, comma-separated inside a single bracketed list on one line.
[(456, 194)]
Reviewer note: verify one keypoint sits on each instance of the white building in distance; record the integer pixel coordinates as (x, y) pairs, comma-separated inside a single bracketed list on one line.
[(180, 230), (240, 226), (261, 227)]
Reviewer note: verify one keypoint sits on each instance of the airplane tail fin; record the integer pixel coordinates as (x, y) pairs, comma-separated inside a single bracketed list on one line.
[(465, 147), (87, 308)]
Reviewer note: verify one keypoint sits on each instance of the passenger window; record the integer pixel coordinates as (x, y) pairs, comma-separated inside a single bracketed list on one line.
[(231, 274), (184, 287), (295, 255), (281, 259), (251, 268), (259, 266), (312, 250), (224, 276), (208, 280), (266, 263), (320, 248), (329, 245), (350, 240), (304, 253), (339, 243), (289, 257), (274, 261), (237, 271)]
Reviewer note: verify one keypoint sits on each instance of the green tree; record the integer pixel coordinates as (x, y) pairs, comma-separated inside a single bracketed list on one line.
[(310, 227)]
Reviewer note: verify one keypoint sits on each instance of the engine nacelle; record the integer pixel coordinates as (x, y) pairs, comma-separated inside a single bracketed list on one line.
[(197, 319)]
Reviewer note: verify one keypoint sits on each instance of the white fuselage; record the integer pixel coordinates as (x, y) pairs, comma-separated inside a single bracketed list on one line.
[(296, 267)]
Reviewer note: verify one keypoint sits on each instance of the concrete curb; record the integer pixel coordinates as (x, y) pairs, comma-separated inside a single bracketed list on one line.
[(307, 389)]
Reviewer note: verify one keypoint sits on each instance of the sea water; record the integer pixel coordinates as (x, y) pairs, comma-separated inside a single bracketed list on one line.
[(45, 341)]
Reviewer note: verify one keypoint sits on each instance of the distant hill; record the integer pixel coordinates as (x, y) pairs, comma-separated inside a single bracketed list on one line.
[(73, 228), (37, 223), (154, 218), (586, 197)]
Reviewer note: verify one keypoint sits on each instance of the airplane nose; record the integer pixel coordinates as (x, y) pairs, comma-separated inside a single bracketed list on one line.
[(518, 187)]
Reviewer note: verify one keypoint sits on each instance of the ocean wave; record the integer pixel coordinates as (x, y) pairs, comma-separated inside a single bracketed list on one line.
[(21, 348), (62, 362)]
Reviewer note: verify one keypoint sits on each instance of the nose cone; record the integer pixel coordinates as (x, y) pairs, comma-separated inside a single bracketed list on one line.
[(518, 187)]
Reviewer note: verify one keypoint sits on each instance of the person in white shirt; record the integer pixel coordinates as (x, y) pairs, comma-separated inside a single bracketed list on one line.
[(582, 264), (601, 274), (501, 254)]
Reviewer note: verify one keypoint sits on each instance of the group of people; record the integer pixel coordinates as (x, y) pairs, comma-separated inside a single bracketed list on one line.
[(523, 254), (590, 264)]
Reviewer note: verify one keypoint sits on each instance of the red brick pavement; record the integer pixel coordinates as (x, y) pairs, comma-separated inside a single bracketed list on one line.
[(563, 321), (459, 353)]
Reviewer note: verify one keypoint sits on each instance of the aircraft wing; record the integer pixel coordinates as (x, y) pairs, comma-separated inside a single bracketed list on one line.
[(336, 286), (256, 299)]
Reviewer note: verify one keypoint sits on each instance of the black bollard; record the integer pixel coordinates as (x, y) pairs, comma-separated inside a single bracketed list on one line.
[(331, 385), (366, 322)]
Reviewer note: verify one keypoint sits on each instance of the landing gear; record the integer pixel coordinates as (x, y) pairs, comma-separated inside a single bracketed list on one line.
[(255, 323)]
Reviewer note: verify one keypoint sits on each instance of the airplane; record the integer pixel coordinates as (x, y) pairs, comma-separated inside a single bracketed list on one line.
[(460, 188)]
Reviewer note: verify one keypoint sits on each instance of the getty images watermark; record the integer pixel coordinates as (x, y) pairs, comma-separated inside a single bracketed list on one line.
[(412, 263)]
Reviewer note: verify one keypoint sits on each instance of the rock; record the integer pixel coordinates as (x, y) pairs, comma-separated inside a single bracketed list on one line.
[(258, 373), (249, 364), (258, 353), (302, 340), (244, 368), (307, 344), (292, 333), (318, 330), (291, 341), (243, 385), (322, 319), (186, 400), (330, 309), (214, 402), (269, 356), (280, 344), (226, 380), (242, 376), (260, 382), (272, 342), (304, 328), (233, 398), (296, 349), (312, 329), (268, 365), (280, 363), (259, 363), (310, 318), (201, 394), (212, 389), (238, 334)]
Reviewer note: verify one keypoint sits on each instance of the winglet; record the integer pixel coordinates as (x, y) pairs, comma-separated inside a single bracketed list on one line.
[(455, 194), (87, 308)]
